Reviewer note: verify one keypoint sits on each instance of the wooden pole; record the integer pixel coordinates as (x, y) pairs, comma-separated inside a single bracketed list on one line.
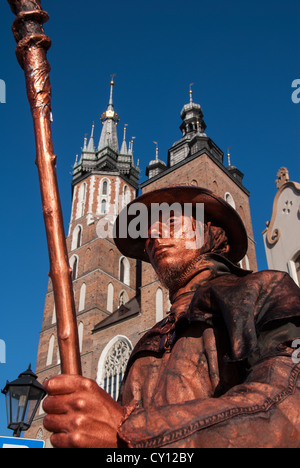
[(31, 52)]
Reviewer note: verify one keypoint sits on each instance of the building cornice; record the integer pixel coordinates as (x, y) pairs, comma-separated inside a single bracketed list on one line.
[(188, 160)]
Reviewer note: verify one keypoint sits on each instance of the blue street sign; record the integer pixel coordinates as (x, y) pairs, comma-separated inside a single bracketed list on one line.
[(16, 442)]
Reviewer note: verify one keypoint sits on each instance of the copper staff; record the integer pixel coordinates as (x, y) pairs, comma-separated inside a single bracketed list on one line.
[(31, 51)]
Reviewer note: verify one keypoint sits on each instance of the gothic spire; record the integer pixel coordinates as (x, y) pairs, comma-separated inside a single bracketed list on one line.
[(110, 120), (91, 145), (124, 144)]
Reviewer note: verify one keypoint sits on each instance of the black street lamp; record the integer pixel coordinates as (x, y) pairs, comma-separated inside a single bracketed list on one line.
[(23, 397)]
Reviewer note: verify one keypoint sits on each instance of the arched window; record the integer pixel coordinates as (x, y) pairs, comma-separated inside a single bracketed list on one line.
[(159, 305), (53, 315), (104, 187), (80, 335), (50, 351), (112, 364), (76, 238), (82, 298), (229, 198), (58, 355), (110, 298), (103, 197), (103, 206), (123, 298), (74, 266), (215, 187), (247, 264), (81, 201), (124, 273), (122, 270), (74, 269)]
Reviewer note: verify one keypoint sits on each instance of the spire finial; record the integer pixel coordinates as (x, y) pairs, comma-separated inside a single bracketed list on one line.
[(228, 156), (125, 129), (132, 141), (85, 142), (112, 84), (110, 120), (130, 150), (156, 150), (191, 92)]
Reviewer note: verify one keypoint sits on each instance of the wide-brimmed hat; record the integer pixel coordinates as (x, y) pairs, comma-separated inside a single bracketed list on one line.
[(216, 210)]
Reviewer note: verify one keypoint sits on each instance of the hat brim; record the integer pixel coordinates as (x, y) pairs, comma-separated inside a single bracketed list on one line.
[(216, 210)]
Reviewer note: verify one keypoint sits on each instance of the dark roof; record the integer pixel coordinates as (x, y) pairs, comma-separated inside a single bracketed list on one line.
[(124, 312)]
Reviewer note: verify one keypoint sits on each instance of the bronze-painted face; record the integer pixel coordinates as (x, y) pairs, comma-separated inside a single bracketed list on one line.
[(173, 244)]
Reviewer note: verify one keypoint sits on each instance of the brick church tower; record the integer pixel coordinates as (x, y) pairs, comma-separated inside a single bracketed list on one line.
[(119, 299)]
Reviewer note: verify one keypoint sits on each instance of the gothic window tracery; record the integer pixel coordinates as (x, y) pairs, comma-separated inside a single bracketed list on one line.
[(115, 365)]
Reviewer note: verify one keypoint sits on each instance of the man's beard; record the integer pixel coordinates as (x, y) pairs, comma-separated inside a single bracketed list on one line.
[(171, 275)]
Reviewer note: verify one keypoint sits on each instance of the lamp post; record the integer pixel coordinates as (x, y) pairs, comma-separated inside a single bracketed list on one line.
[(23, 397)]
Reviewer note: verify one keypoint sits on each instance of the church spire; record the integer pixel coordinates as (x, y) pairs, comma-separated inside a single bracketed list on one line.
[(192, 117), (124, 144), (112, 84), (191, 93), (110, 120), (91, 145)]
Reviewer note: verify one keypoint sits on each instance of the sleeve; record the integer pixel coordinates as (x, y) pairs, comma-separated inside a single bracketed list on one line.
[(263, 412)]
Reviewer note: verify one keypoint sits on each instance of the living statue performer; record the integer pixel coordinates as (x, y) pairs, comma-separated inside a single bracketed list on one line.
[(219, 370)]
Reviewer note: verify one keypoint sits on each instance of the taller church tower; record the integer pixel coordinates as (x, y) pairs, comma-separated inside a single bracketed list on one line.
[(119, 299)]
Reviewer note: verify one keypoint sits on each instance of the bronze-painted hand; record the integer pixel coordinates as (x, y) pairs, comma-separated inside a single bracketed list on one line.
[(80, 414)]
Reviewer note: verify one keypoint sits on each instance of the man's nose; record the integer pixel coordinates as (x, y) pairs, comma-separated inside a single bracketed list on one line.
[(156, 231), (159, 230)]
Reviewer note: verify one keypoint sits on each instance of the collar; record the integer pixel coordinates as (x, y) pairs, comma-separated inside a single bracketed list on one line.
[(201, 271)]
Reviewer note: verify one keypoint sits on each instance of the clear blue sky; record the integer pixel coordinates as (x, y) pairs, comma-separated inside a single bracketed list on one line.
[(242, 57)]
